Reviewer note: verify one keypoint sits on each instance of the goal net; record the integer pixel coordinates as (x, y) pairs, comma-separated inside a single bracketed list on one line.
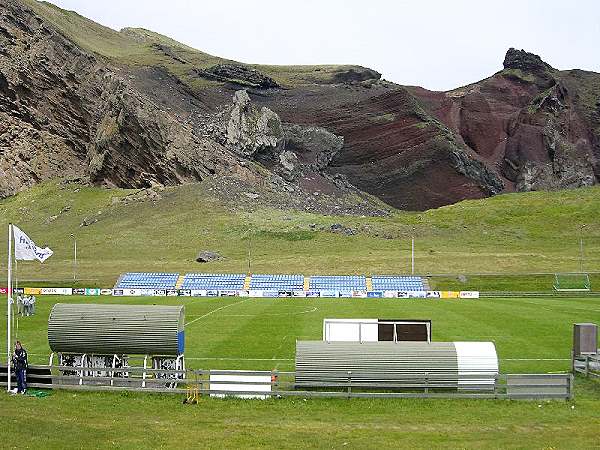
[(564, 282)]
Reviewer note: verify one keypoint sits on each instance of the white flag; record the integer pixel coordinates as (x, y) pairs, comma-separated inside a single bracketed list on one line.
[(26, 250)]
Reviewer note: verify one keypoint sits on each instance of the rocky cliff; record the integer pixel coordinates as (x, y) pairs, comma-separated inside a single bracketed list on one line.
[(135, 109)]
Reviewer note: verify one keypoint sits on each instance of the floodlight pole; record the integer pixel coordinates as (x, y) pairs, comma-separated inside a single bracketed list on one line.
[(249, 253), (581, 247), (74, 257), (8, 308), (412, 256)]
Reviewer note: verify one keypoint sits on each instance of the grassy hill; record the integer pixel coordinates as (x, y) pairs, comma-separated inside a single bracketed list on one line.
[(506, 234), (134, 46)]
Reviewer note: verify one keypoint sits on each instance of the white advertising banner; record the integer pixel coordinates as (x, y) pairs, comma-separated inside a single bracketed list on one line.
[(56, 291), (129, 292), (330, 293), (469, 294), (417, 294), (238, 383)]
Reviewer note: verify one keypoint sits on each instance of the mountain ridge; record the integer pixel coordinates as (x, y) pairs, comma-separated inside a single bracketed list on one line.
[(144, 109)]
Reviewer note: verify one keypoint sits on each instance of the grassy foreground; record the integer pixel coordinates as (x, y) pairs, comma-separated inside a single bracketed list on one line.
[(507, 234), (100, 420)]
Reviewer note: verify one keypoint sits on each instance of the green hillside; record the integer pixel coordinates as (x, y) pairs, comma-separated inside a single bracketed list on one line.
[(507, 234), (134, 47)]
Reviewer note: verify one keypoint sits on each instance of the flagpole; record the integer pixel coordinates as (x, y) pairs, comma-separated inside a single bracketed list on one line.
[(9, 307)]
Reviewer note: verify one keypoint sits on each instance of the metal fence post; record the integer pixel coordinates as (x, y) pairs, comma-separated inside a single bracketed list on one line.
[(496, 386), (426, 382), (275, 380), (587, 366), (349, 383)]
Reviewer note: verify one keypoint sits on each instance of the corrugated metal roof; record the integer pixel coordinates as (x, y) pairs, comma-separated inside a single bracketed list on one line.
[(374, 362), (115, 329)]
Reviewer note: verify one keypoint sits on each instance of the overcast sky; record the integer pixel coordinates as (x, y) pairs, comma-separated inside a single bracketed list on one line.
[(436, 44)]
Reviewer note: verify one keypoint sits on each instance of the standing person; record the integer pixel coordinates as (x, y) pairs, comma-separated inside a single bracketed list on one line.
[(20, 304), (33, 305), (26, 305), (19, 361)]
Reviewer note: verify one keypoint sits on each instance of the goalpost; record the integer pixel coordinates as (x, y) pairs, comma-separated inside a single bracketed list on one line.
[(572, 282)]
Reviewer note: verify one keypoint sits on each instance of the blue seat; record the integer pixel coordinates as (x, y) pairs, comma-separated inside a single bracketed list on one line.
[(397, 283), (148, 280), (208, 281)]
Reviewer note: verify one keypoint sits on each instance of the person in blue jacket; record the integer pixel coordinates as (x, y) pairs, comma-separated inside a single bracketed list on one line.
[(19, 361)]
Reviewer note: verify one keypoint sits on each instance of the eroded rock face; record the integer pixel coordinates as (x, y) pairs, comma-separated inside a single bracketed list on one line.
[(314, 146), (136, 144), (67, 113), (529, 124), (287, 149), (250, 129)]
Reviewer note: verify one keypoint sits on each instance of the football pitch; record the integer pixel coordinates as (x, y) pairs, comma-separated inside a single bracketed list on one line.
[(532, 335)]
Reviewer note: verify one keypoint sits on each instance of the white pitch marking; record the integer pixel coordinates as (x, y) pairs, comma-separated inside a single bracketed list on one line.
[(214, 311), (313, 309), (241, 359)]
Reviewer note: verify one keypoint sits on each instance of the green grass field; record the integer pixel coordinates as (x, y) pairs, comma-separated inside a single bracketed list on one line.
[(531, 335), (241, 333)]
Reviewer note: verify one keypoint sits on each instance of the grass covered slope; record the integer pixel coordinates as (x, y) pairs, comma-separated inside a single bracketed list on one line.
[(512, 233), (135, 47)]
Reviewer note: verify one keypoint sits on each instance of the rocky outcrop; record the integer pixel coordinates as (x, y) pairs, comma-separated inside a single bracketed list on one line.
[(287, 149), (136, 144), (251, 130), (354, 75), (206, 256), (525, 61), (314, 146), (237, 74)]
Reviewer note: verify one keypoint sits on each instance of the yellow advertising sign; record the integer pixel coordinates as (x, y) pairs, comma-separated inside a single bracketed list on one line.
[(450, 294), (32, 291)]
